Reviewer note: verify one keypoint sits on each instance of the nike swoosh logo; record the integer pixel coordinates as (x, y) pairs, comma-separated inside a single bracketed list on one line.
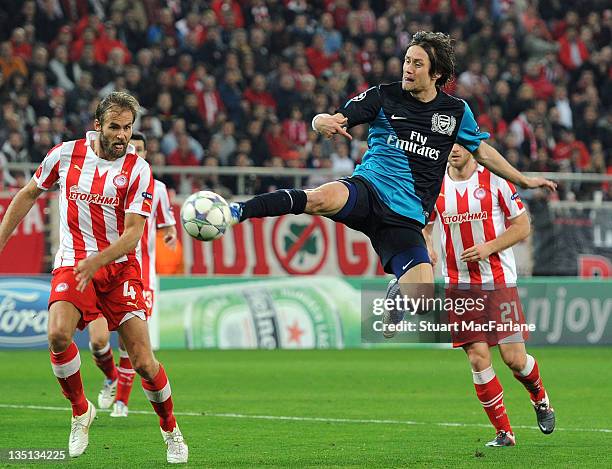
[(394, 117), (77, 167), (404, 266)]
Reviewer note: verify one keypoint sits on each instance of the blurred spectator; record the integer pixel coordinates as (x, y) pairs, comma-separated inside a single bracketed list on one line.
[(226, 141), (170, 141), (278, 143), (570, 149), (295, 128), (10, 63), (62, 69), (14, 151), (257, 94), (182, 155), (341, 160), (573, 51)]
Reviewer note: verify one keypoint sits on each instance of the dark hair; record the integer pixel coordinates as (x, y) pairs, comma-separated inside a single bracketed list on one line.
[(117, 99), (141, 137), (439, 49)]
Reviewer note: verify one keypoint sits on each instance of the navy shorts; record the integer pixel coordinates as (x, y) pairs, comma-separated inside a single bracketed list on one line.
[(389, 233)]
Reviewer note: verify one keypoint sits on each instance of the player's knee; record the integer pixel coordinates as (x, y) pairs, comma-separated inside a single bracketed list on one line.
[(316, 202), (97, 343), (327, 199), (515, 361), (479, 361), (145, 367), (59, 340)]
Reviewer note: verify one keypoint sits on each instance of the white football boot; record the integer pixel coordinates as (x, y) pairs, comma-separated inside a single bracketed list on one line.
[(79, 431), (107, 394), (119, 410), (177, 452)]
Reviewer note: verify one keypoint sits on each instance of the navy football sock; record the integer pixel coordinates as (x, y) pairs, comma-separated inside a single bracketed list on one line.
[(274, 204)]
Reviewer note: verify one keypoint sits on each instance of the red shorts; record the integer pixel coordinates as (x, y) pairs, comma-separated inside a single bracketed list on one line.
[(494, 316), (114, 292)]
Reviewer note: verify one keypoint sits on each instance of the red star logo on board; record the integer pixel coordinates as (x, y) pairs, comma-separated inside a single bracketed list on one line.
[(295, 333)]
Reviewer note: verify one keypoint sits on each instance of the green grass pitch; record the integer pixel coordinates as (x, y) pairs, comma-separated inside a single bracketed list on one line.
[(352, 408)]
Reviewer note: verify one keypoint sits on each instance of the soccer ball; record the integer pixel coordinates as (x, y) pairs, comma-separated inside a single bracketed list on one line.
[(205, 215)]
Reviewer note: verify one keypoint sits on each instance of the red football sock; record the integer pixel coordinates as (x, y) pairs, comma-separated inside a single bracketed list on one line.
[(66, 367), (126, 377), (159, 393), (104, 360), (530, 377), (491, 395)]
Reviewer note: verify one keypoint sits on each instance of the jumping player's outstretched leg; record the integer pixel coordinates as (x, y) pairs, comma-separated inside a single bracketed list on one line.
[(325, 200), (525, 369), (155, 383)]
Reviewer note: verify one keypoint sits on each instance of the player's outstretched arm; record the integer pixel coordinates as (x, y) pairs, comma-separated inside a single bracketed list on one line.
[(18, 208), (329, 125), (517, 231), (127, 242), (491, 159)]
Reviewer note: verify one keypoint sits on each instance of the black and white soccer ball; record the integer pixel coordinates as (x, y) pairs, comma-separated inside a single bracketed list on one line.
[(205, 215)]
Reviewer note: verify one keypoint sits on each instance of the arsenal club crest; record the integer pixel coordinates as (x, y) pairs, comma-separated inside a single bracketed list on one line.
[(120, 181), (443, 124)]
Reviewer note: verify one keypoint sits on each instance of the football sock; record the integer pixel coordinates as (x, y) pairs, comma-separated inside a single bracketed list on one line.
[(274, 204), (104, 360), (491, 396), (159, 393), (66, 368), (530, 377), (126, 377)]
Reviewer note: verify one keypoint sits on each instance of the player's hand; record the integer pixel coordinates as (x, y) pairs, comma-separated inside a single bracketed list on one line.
[(476, 253), (85, 270), (170, 238), (328, 126), (534, 183)]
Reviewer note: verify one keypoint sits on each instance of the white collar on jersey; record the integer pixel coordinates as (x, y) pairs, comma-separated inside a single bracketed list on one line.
[(92, 135), (479, 168)]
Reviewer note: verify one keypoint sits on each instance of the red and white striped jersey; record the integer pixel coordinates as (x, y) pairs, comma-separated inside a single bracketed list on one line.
[(473, 212), (161, 216), (95, 195)]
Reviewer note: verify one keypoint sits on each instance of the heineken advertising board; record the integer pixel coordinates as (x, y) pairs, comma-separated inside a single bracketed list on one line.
[(330, 312)]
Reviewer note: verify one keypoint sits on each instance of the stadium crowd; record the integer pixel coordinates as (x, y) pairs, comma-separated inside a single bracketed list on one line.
[(236, 83)]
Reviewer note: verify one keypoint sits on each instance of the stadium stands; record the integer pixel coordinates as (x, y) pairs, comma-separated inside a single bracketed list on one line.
[(236, 83)]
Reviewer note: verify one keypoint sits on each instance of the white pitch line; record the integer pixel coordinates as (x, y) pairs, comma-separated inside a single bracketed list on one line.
[(307, 419)]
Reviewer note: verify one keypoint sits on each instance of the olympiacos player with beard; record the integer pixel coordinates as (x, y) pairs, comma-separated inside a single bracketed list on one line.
[(118, 381), (106, 192)]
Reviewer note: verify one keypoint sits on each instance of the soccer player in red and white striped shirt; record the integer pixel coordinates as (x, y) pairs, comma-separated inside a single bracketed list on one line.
[(118, 383), (480, 217), (104, 200)]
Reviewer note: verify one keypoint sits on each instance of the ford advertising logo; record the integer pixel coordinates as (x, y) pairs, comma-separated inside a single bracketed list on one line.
[(23, 312)]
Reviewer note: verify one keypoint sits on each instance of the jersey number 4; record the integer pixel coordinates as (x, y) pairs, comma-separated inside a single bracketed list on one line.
[(129, 290)]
